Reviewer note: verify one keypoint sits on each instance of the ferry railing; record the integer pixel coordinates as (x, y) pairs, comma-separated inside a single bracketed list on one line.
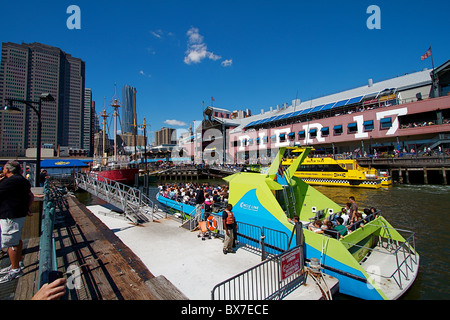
[(272, 279), (404, 254)]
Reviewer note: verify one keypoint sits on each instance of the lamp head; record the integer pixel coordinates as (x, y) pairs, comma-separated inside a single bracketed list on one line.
[(47, 97), (9, 108)]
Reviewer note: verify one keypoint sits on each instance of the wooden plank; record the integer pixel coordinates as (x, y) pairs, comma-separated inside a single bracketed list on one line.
[(27, 285), (109, 269), (118, 272)]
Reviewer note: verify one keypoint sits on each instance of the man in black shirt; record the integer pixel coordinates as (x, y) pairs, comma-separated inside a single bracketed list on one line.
[(14, 204)]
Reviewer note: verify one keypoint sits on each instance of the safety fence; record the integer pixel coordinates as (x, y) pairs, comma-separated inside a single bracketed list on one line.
[(272, 279)]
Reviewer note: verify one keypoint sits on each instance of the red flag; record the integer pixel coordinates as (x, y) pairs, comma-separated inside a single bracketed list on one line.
[(212, 98), (426, 55)]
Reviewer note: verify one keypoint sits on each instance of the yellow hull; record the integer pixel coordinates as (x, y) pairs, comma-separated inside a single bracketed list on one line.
[(370, 184)]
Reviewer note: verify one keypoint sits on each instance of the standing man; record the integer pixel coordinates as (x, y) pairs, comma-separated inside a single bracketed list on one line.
[(229, 223), (14, 204), (353, 206)]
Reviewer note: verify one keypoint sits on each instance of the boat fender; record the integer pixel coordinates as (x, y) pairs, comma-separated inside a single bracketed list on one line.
[(211, 223)]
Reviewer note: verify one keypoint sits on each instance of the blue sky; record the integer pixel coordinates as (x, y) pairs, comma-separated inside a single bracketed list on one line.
[(244, 53)]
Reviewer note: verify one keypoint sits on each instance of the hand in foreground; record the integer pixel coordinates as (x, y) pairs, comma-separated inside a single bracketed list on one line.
[(51, 291)]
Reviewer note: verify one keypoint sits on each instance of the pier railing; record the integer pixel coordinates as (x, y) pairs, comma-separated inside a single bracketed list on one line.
[(53, 200), (272, 279)]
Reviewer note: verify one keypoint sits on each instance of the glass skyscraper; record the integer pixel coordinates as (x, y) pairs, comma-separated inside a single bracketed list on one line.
[(128, 106)]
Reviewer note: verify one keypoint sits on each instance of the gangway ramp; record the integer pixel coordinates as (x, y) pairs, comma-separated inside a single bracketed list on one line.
[(132, 203)]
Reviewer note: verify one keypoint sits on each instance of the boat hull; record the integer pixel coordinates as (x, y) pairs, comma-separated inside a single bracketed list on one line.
[(369, 184), (125, 176)]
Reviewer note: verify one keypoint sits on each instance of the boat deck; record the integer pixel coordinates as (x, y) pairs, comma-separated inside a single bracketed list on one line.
[(381, 264)]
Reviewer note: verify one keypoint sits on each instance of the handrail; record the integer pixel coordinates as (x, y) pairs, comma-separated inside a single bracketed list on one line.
[(129, 199), (47, 253), (407, 246)]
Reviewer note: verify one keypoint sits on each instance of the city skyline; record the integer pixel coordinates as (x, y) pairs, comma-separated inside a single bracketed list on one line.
[(247, 55)]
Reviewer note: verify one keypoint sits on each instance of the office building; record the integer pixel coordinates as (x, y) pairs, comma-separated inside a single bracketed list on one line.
[(165, 136), (27, 71)]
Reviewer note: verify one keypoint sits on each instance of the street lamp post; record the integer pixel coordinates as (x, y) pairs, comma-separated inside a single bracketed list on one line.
[(9, 108)]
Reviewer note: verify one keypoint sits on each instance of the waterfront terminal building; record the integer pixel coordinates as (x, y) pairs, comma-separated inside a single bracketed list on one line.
[(406, 114)]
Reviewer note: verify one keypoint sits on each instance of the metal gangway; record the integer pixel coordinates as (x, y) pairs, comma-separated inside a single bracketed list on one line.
[(134, 204)]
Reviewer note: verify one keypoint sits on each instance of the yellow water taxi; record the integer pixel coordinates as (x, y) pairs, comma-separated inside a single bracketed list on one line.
[(326, 171)]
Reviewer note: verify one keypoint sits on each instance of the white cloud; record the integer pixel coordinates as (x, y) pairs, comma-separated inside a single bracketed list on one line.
[(227, 63), (175, 123), (158, 33), (142, 73), (197, 50)]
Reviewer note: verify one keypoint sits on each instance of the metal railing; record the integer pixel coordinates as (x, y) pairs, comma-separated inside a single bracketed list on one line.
[(53, 199), (131, 200), (404, 254), (272, 279)]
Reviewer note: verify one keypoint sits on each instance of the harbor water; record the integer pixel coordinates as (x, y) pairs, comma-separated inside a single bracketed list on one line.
[(423, 209)]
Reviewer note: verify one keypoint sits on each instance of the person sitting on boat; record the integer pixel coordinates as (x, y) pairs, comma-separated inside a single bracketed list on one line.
[(340, 228), (356, 221), (294, 220), (316, 226), (344, 215)]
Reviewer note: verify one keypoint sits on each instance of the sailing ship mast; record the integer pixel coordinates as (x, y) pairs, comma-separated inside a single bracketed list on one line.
[(115, 104), (104, 115)]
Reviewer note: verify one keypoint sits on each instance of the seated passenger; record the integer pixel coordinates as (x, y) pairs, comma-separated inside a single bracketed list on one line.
[(356, 221), (316, 226), (340, 228), (345, 216)]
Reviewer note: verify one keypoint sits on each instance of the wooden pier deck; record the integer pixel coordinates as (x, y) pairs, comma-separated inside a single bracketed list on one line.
[(108, 269)]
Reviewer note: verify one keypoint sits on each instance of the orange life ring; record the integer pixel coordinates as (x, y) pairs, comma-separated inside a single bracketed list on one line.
[(211, 223)]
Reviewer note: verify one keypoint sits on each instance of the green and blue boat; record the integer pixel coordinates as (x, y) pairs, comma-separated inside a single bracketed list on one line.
[(374, 262)]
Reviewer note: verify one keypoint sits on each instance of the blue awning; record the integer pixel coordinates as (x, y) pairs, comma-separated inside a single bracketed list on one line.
[(301, 132), (354, 100), (328, 106), (306, 111), (386, 120), (352, 125), (291, 134), (338, 127), (325, 129), (313, 131), (368, 123), (316, 109), (340, 103), (282, 135), (61, 163)]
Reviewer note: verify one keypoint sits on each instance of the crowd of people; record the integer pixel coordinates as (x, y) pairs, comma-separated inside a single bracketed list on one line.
[(346, 221), (196, 193)]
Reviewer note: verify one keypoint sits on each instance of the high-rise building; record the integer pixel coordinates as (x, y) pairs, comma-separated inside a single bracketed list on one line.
[(89, 122), (128, 108), (165, 136), (27, 71)]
